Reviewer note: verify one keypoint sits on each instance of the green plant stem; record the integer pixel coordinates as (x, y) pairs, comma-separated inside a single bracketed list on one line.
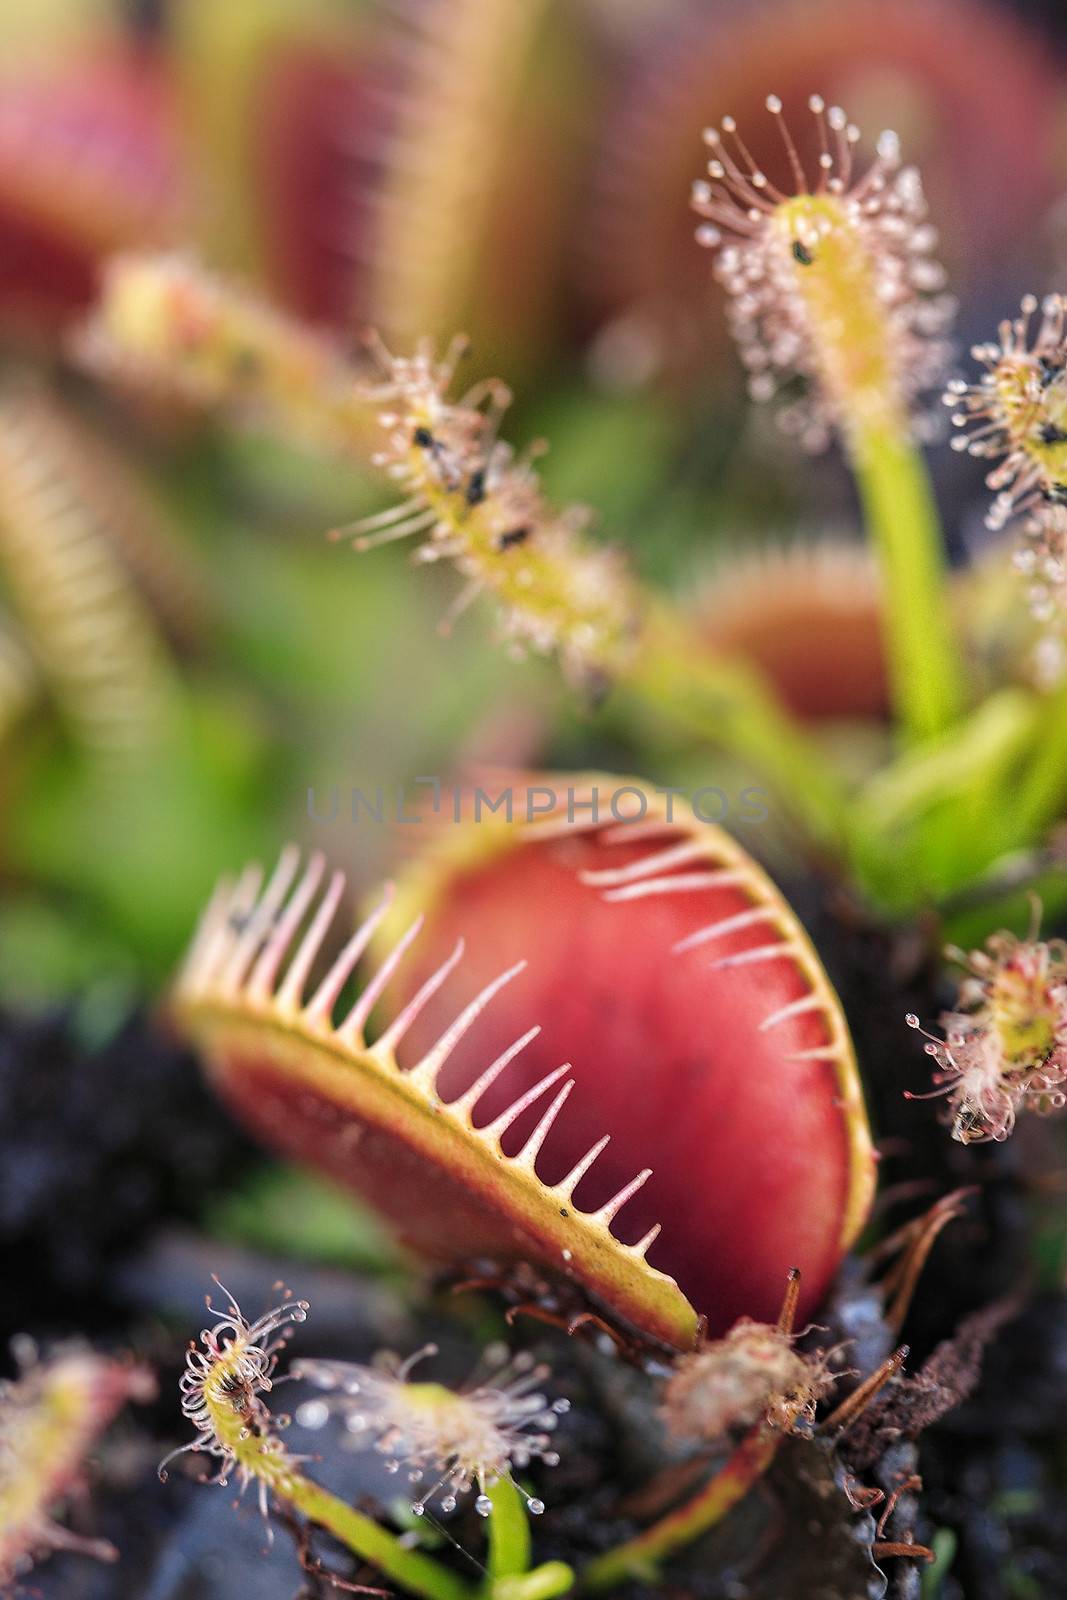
[(641, 1556), (1042, 793), (901, 516), (919, 780), (940, 807), (409, 1569), (543, 1583), (729, 703), (509, 1533)]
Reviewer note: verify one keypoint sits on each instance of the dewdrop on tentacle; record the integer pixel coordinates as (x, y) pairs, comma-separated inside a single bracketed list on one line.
[(472, 500), (1017, 410), (459, 1439), (1005, 1046), (833, 283)]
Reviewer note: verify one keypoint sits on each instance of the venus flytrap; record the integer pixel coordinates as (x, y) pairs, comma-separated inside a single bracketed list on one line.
[(94, 637), (835, 285), (706, 1038), (449, 162), (440, 1102)]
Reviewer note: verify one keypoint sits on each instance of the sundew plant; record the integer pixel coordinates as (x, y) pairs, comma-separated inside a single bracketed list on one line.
[(640, 1036)]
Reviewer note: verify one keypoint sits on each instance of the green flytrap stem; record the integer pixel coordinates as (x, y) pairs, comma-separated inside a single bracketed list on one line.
[(943, 806), (640, 1557), (901, 516), (729, 703), (1039, 798)]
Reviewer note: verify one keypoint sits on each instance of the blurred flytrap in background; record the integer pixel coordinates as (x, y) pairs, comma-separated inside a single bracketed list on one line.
[(616, 1078)]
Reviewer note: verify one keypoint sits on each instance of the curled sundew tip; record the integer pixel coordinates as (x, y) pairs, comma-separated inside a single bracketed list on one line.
[(227, 1371)]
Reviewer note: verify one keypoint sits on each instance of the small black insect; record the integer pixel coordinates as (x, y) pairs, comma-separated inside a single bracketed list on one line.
[(1056, 494), (1051, 434), (476, 488), (513, 536), (802, 254), (1051, 369), (423, 437)]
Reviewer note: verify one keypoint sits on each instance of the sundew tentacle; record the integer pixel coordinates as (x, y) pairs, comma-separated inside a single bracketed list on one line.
[(473, 501), (1016, 413), (833, 289), (227, 1373), (50, 1418), (221, 1388), (1005, 1046), (164, 324), (833, 282), (447, 1442)]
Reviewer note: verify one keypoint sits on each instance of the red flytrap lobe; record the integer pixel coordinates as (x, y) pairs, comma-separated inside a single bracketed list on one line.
[(89, 163), (703, 1040)]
